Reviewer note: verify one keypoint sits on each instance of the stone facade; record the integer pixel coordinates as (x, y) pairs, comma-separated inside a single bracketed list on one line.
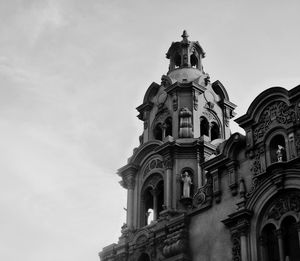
[(196, 192)]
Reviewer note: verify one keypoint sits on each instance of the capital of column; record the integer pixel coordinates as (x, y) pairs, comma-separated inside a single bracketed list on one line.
[(168, 163), (128, 174)]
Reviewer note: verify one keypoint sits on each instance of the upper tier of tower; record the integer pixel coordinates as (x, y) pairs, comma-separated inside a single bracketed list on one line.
[(185, 60)]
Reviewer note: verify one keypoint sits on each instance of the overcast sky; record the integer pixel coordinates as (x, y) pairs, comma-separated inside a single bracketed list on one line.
[(72, 74)]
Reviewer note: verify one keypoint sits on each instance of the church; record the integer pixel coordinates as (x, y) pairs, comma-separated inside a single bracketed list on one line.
[(197, 192)]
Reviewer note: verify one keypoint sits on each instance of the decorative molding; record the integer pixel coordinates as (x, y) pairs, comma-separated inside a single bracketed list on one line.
[(168, 163), (175, 101), (195, 100), (153, 164), (284, 204), (185, 123), (232, 177)]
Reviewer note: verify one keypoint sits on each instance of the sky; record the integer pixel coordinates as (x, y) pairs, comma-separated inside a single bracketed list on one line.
[(71, 75)]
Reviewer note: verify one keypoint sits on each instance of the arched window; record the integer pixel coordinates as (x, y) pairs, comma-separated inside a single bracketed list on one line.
[(279, 238), (277, 149), (194, 61), (152, 199), (204, 126), (177, 60), (148, 201), (290, 239), (168, 125), (158, 132), (270, 243), (215, 131)]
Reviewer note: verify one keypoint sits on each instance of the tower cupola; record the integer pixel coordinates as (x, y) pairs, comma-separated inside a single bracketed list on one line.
[(185, 59)]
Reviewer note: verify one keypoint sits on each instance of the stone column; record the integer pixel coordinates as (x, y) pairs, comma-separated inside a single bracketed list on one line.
[(280, 244), (263, 250), (168, 164), (243, 236), (128, 182), (129, 208)]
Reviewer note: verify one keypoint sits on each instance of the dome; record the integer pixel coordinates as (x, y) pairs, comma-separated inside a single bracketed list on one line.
[(185, 74)]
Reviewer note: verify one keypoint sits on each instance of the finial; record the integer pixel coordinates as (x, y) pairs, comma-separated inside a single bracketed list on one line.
[(184, 35)]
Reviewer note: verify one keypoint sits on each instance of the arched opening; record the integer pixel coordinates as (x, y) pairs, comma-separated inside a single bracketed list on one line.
[(194, 61), (277, 149), (160, 197), (148, 201), (290, 239), (270, 244), (177, 60), (157, 132), (215, 131), (168, 124), (204, 126), (144, 257), (152, 199)]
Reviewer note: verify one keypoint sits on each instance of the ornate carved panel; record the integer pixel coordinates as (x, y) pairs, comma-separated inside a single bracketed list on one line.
[(284, 204), (278, 112), (153, 164)]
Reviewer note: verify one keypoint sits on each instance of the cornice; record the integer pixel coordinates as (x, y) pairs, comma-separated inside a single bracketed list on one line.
[(179, 87)]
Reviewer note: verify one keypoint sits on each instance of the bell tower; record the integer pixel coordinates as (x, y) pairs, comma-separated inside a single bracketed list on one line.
[(185, 118)]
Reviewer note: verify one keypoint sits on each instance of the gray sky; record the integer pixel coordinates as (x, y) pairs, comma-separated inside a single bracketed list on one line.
[(72, 73)]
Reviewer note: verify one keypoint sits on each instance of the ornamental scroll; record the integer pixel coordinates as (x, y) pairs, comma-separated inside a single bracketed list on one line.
[(278, 112)]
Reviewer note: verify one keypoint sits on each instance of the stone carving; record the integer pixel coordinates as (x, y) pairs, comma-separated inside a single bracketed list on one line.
[(185, 125), (165, 81), (168, 163), (153, 164), (195, 100), (203, 194), (175, 101), (284, 204), (297, 143), (175, 243), (187, 182), (256, 166), (226, 116), (254, 185), (236, 246), (278, 112), (280, 153)]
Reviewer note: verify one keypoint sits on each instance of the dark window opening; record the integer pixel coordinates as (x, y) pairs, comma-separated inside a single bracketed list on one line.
[(168, 123), (290, 239), (204, 126), (177, 60), (194, 61), (270, 243), (215, 131), (277, 149), (148, 198), (160, 197), (158, 134)]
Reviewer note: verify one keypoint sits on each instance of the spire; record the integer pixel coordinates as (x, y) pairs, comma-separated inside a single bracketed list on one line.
[(184, 36)]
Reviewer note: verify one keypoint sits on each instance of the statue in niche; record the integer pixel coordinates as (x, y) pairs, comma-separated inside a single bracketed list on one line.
[(280, 153), (187, 182)]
